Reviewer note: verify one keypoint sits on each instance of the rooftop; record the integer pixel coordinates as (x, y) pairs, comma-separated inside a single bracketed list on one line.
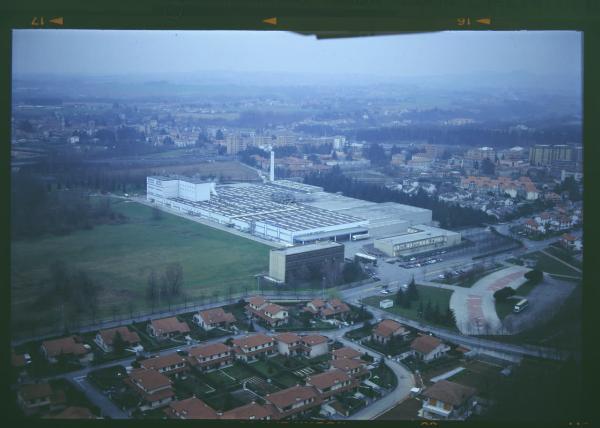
[(449, 392), (299, 249)]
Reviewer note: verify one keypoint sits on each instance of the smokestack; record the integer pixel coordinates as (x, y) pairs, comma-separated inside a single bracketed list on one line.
[(272, 173)]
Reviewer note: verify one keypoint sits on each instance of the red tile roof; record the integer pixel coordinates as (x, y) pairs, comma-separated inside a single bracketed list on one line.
[(347, 364), (346, 352), (288, 338), (251, 341), (65, 345), (449, 392), (170, 325), (216, 316), (191, 408), (161, 362), (314, 339), (209, 350), (328, 379), (249, 411), (149, 379), (387, 328), (425, 344), (74, 412), (256, 301), (289, 396), (108, 335)]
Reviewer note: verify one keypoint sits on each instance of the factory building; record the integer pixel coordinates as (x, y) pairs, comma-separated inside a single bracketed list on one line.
[(286, 263), (161, 189), (418, 239)]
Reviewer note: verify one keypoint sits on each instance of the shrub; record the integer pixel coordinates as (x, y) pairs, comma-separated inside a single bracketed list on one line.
[(504, 293)]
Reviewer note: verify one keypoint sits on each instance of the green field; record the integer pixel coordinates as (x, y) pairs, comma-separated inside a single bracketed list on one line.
[(438, 296), (550, 265), (120, 257)]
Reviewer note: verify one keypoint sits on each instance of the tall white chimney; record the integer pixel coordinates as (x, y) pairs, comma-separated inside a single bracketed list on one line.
[(272, 172)]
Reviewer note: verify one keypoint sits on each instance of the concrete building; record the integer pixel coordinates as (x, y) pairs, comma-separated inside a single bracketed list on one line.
[(544, 154), (294, 260), (481, 153), (162, 189), (418, 239)]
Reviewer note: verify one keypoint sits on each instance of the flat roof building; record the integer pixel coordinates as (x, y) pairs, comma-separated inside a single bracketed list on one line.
[(418, 239), (290, 262)]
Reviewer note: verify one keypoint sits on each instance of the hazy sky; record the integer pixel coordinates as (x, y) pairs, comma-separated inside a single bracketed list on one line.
[(126, 52)]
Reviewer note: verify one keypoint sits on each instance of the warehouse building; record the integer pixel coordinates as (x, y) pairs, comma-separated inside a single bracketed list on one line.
[(418, 239), (296, 261)]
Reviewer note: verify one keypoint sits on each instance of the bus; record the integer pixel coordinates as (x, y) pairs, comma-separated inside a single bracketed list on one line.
[(520, 306), (359, 236)]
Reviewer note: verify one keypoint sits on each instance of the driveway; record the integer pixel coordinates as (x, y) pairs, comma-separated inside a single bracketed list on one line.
[(545, 300), (405, 379), (475, 308)]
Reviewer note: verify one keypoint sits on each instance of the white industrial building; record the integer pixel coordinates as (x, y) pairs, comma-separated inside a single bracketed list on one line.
[(295, 213), (418, 239)]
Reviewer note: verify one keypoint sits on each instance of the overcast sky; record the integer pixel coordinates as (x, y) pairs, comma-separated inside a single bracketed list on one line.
[(126, 52)]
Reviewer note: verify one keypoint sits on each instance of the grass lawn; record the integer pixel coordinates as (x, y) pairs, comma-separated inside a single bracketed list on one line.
[(238, 371), (265, 368), (438, 296), (479, 375), (550, 265), (119, 258), (407, 410), (286, 380), (218, 379)]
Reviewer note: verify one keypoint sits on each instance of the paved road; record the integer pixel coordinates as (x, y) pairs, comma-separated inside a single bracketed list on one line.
[(475, 307), (405, 379)]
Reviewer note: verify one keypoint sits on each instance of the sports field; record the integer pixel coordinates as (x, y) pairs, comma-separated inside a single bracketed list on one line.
[(119, 258)]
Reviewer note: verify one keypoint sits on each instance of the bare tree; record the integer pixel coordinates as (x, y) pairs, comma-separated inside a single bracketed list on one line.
[(152, 289), (174, 278)]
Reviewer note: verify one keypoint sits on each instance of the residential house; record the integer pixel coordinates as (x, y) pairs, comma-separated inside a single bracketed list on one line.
[(345, 352), (250, 348), (428, 348), (387, 329), (294, 401), (533, 226), (105, 338), (154, 389), (170, 364), (270, 314), (289, 344), (19, 363), (571, 242), (315, 345), (328, 309), (39, 397), (167, 327), (213, 318), (70, 347), (251, 412), (354, 367), (74, 412), (331, 382), (447, 400), (211, 357), (190, 408)]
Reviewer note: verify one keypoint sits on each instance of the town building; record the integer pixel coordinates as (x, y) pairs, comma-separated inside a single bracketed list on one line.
[(153, 388), (271, 314), (294, 401), (214, 318), (345, 352), (328, 309), (190, 408), (388, 329), (105, 338), (251, 412), (169, 364), (298, 261), (69, 347), (331, 382), (167, 327), (354, 367), (481, 153), (447, 401), (38, 398), (211, 357), (428, 348), (251, 348)]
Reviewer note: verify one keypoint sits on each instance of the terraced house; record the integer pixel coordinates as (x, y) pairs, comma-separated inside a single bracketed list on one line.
[(167, 327), (331, 382), (153, 388), (170, 364), (251, 348), (294, 401), (105, 338), (211, 357)]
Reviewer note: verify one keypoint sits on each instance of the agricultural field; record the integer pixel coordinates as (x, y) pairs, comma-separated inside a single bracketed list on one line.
[(119, 258)]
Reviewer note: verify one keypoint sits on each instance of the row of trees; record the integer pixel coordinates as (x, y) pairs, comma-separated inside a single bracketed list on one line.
[(449, 215), (36, 209), (164, 286)]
